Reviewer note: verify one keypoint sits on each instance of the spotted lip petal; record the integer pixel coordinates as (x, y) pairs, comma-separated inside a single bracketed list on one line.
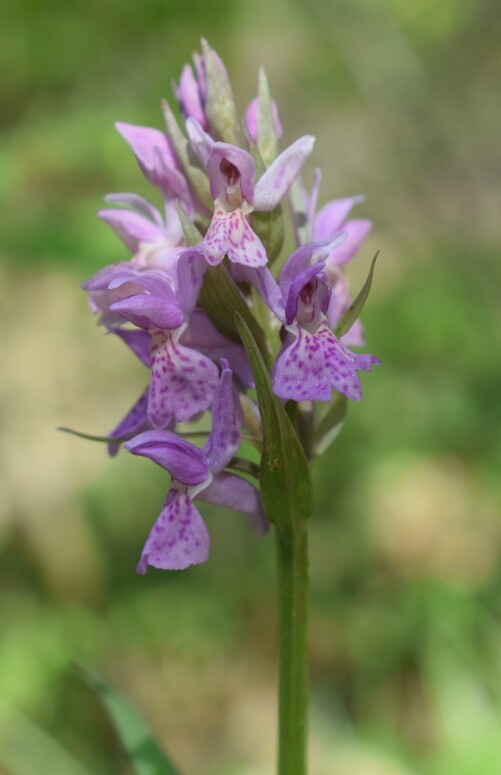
[(314, 364), (184, 461), (183, 381), (179, 537), (229, 233)]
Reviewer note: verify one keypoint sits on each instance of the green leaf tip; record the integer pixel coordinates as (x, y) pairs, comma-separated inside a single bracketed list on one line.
[(353, 312), (145, 755)]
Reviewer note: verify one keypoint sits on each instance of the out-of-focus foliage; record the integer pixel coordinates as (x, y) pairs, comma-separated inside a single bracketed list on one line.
[(406, 539)]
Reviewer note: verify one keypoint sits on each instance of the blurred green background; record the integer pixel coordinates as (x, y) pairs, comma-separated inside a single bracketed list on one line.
[(403, 96)]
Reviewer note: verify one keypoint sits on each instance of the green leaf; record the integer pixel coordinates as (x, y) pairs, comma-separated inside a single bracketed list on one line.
[(145, 755), (353, 312), (284, 473), (219, 105), (196, 176), (330, 424), (266, 134), (190, 232), (220, 298)]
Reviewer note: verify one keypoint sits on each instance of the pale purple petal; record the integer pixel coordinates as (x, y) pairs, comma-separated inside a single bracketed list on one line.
[(251, 119), (151, 149), (224, 153), (147, 311), (340, 301), (239, 495), (138, 342), (357, 231), (201, 142), (224, 439), (191, 269), (102, 297), (183, 382), (189, 97), (230, 233), (314, 364), (266, 285), (179, 537), (153, 281), (135, 421), (203, 336), (279, 177), (184, 461), (332, 216), (139, 203)]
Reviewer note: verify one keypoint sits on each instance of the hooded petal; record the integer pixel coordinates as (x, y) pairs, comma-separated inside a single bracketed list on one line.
[(239, 495), (304, 257), (132, 228), (134, 422), (333, 215), (179, 537), (184, 461), (183, 382), (224, 439), (222, 159), (314, 364), (279, 177)]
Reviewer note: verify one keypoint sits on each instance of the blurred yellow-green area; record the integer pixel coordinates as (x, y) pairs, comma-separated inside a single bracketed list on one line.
[(403, 97)]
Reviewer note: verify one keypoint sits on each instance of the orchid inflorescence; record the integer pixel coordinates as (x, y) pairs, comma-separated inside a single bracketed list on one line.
[(199, 259)]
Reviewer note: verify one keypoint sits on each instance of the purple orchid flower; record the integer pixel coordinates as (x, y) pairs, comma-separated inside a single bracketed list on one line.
[(313, 361), (232, 174), (179, 537), (332, 218), (183, 380)]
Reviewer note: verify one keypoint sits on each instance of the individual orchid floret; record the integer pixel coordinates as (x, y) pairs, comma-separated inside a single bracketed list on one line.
[(232, 174), (183, 380), (179, 537), (251, 119), (313, 361)]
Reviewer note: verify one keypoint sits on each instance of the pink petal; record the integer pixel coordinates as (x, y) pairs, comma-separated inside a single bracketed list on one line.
[(251, 119), (239, 495), (132, 228), (183, 381), (332, 216), (279, 177), (357, 231), (314, 364), (179, 537)]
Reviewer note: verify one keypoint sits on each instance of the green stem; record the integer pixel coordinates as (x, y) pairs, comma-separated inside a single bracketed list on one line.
[(292, 593)]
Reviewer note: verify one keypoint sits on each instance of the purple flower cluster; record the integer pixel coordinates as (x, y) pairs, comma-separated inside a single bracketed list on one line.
[(153, 301)]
